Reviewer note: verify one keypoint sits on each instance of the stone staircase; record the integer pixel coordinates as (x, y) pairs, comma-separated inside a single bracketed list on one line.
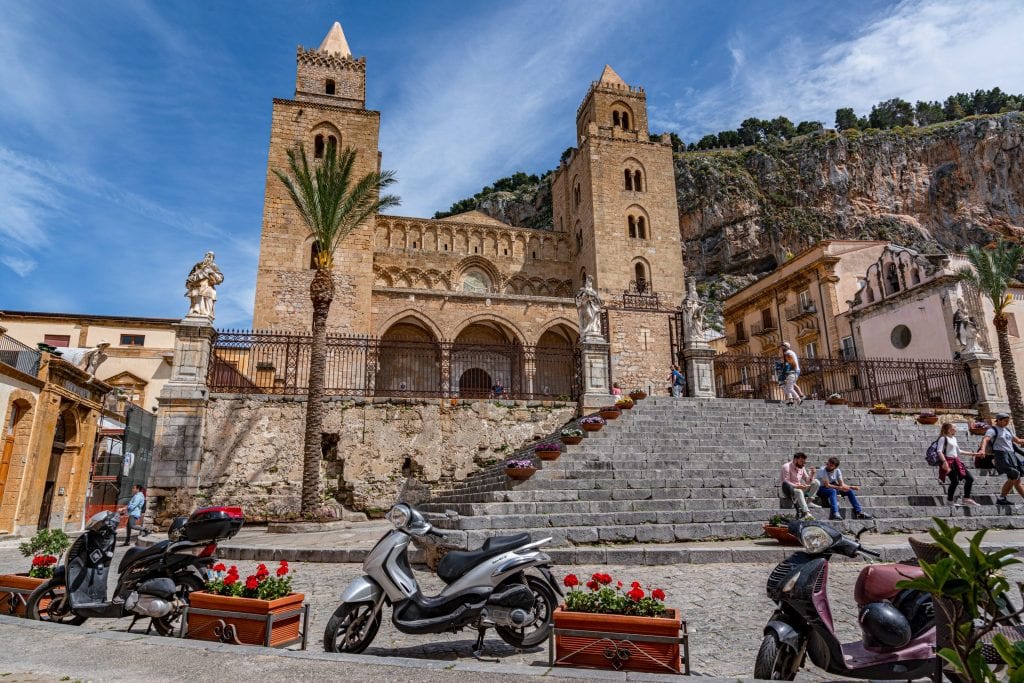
[(671, 471)]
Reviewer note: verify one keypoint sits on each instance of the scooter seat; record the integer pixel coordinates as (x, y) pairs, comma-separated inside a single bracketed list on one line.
[(135, 552), (458, 562), (877, 582)]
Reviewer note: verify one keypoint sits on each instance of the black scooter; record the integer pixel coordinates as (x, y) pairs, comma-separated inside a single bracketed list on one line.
[(152, 582), (898, 625)]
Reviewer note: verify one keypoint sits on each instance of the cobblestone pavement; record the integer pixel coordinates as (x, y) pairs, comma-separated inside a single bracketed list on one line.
[(724, 604)]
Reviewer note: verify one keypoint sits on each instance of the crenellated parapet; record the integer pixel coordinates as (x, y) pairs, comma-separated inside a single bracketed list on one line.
[(313, 57)]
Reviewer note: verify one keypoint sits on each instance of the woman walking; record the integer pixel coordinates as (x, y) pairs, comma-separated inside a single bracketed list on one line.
[(950, 465)]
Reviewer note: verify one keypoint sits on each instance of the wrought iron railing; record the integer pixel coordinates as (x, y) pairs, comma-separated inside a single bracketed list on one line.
[(861, 381), (248, 362), (799, 311), (19, 356)]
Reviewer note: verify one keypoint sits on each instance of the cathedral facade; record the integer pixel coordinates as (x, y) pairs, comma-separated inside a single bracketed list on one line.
[(469, 279)]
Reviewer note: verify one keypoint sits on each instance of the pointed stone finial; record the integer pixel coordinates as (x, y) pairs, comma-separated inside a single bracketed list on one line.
[(609, 76), (334, 43)]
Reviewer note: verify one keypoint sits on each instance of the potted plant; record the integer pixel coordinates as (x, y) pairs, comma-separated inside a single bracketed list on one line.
[(778, 528), (609, 623), (519, 468), (637, 394), (548, 450), (835, 400), (592, 423), (927, 418), (609, 412), (44, 548), (262, 610), (879, 409), (624, 403), (978, 428), (571, 436)]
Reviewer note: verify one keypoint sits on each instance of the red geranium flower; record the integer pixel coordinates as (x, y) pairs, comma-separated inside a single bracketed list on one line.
[(635, 584), (231, 579), (636, 594), (571, 580), (252, 583), (605, 579), (262, 571), (37, 560), (282, 570), (658, 594), (593, 585), (219, 567), (618, 585)]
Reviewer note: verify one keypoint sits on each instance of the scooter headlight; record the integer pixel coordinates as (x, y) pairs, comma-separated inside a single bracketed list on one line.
[(399, 516), (815, 539)]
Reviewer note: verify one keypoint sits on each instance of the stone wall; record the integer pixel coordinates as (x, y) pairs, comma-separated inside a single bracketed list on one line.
[(252, 447)]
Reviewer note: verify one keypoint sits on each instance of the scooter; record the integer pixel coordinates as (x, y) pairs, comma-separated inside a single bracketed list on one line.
[(898, 626), (489, 587), (152, 582)]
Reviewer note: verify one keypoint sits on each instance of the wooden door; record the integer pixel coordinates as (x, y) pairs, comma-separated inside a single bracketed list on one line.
[(5, 463)]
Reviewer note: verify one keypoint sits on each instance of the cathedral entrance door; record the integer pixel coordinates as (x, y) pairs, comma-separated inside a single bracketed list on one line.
[(475, 383)]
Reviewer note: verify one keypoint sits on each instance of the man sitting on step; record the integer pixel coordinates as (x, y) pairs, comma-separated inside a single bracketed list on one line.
[(830, 477), (799, 485)]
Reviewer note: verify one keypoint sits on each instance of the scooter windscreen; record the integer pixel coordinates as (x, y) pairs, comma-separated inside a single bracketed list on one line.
[(818, 538)]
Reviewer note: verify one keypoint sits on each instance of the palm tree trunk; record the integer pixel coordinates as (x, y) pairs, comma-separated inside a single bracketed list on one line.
[(1009, 371), (321, 293)]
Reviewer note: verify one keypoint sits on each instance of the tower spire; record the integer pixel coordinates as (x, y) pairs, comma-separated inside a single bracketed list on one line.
[(334, 42), (609, 76)]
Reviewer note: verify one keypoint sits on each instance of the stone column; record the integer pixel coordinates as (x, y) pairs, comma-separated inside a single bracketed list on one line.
[(596, 373), (991, 396), (177, 450)]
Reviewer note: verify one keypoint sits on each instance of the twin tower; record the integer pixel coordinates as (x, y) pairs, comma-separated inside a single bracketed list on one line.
[(615, 218)]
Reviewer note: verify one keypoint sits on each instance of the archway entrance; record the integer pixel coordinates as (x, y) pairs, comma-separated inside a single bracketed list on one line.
[(475, 383), (488, 356), (409, 361), (555, 367)]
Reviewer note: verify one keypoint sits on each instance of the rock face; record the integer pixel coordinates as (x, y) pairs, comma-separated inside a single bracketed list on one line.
[(947, 186), (252, 448)]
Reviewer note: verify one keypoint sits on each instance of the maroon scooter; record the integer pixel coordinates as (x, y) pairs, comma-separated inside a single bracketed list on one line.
[(898, 626)]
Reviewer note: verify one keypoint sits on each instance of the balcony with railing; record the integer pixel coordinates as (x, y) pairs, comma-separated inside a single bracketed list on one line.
[(735, 339), (18, 356), (800, 312), (764, 329)]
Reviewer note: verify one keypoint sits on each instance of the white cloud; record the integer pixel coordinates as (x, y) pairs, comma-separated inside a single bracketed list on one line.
[(918, 49)]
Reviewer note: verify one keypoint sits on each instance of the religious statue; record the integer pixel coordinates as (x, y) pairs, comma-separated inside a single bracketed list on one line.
[(693, 313), (200, 287), (588, 306), (965, 328)]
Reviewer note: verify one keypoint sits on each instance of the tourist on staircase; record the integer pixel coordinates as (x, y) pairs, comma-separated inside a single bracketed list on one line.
[(678, 380), (950, 465), (799, 486), (790, 387), (832, 485), (1003, 441)]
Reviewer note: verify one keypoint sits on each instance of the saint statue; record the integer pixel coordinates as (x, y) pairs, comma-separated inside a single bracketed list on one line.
[(200, 287), (693, 313), (965, 328), (588, 306)]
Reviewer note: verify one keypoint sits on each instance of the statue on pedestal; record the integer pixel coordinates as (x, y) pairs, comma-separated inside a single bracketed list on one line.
[(693, 313), (965, 328), (588, 306), (200, 287)]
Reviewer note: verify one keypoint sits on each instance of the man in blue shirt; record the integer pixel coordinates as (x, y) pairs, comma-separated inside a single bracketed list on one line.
[(134, 510)]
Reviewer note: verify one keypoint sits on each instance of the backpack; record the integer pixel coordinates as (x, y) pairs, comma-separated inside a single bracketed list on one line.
[(931, 456), (988, 461), (782, 368)]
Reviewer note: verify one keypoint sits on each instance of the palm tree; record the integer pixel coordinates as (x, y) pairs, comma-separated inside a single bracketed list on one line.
[(990, 272), (331, 206)]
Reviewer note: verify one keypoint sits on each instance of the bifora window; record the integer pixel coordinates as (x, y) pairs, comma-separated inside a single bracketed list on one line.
[(133, 340), (900, 336)]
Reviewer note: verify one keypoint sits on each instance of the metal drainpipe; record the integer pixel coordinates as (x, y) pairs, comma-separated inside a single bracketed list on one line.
[(821, 300), (778, 315)]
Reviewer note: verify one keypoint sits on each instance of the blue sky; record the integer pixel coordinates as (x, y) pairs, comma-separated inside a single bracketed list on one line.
[(133, 135)]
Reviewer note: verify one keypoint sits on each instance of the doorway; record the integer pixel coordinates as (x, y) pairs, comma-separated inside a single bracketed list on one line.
[(56, 451), (475, 383)]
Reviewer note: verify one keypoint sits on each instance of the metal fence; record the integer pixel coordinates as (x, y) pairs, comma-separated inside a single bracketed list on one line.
[(861, 381), (18, 356), (250, 362)]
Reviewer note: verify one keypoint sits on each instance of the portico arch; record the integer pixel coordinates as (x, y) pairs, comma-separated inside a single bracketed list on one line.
[(487, 350), (409, 359)]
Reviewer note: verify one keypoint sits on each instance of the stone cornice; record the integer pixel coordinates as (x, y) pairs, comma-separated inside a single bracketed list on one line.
[(328, 107), (447, 222)]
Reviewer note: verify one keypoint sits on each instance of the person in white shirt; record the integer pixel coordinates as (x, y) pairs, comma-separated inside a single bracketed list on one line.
[(799, 485), (790, 387), (950, 465), (1007, 463)]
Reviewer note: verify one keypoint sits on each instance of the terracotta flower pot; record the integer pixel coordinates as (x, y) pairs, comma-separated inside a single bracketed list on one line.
[(835, 401), (599, 652), (520, 473), (927, 419), (781, 534), (571, 440), (638, 395), (978, 431), (591, 427), (548, 455), (14, 592), (879, 411), (245, 629), (610, 414)]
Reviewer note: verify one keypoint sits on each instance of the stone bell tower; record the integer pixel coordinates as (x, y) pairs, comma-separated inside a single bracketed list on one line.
[(328, 108)]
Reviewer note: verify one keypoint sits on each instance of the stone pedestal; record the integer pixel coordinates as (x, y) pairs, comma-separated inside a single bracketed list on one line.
[(596, 374), (991, 395), (177, 450), (698, 360)]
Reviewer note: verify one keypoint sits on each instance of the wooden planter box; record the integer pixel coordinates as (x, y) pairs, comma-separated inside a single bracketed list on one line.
[(246, 621), (548, 455), (520, 473), (879, 411), (572, 440), (612, 641), (610, 414), (14, 592), (781, 534), (590, 426), (927, 419)]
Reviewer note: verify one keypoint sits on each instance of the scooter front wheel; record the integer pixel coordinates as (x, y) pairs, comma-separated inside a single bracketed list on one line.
[(49, 602), (775, 661), (352, 627)]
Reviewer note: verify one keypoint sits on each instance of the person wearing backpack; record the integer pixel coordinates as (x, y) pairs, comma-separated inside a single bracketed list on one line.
[(950, 465), (1001, 440), (678, 381)]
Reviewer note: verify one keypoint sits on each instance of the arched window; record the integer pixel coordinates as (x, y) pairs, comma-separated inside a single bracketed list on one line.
[(641, 228), (314, 253), (629, 179), (642, 282), (915, 277), (576, 195), (638, 184), (329, 86), (318, 147), (615, 118), (625, 121), (632, 226), (332, 142)]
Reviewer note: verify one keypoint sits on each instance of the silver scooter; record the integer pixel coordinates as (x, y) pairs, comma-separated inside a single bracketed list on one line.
[(486, 587)]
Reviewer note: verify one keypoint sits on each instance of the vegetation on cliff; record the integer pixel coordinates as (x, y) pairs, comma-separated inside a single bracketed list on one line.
[(522, 200)]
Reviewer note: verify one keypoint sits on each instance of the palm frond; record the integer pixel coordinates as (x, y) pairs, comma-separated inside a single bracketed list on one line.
[(992, 270)]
